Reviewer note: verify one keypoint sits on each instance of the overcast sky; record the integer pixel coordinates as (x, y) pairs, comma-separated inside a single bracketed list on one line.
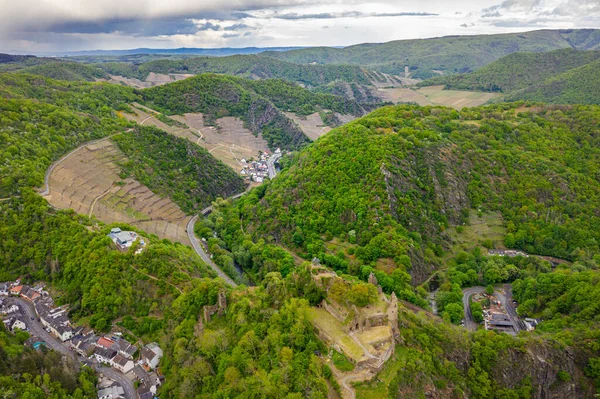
[(30, 26)]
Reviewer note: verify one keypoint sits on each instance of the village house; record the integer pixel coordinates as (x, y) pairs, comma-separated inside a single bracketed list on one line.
[(14, 323), (104, 342), (29, 293), (124, 348), (84, 344), (149, 381), (16, 290), (3, 289), (104, 355), (6, 309), (124, 239), (151, 355), (113, 392), (122, 364)]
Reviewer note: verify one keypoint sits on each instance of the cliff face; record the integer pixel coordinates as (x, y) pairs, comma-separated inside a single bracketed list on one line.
[(542, 362)]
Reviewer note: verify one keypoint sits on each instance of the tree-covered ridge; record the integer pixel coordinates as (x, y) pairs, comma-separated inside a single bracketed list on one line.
[(394, 180), (28, 373), (577, 86), (450, 54), (34, 134), (69, 71), (258, 103), (174, 167), (247, 66), (517, 71), (100, 99)]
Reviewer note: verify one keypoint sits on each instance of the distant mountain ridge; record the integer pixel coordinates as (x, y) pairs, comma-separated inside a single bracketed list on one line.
[(449, 54), (217, 52), (559, 77)]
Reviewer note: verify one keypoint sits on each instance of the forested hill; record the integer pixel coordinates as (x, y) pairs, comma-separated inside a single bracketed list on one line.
[(393, 181), (69, 71), (557, 77), (517, 71), (247, 66), (451, 54), (577, 86), (259, 104)]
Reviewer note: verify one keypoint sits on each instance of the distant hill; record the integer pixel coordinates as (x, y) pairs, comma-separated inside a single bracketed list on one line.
[(215, 52), (450, 54), (248, 66), (71, 71), (517, 71), (559, 77), (259, 104), (576, 86)]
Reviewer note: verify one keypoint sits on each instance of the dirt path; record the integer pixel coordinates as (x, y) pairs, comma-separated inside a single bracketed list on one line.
[(96, 200)]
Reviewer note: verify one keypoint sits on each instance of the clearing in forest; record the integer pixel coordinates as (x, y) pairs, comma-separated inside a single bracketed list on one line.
[(487, 227), (88, 182), (457, 99), (153, 79)]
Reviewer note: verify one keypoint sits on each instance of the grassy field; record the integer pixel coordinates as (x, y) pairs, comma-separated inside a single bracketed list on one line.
[(311, 125), (341, 362), (333, 328), (490, 226), (378, 388), (457, 99)]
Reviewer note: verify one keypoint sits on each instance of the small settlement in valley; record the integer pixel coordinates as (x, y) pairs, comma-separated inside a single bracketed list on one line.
[(136, 362)]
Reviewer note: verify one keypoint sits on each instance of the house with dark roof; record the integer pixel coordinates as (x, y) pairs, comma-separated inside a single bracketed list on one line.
[(151, 355), (104, 355), (124, 348), (122, 364)]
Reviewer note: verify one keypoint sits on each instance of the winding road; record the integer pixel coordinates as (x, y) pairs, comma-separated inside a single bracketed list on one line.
[(504, 300), (37, 329)]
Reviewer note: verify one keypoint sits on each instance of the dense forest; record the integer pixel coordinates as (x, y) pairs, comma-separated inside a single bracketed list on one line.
[(259, 104), (450, 54), (173, 167), (392, 182), (28, 373), (517, 71), (558, 77), (247, 66)]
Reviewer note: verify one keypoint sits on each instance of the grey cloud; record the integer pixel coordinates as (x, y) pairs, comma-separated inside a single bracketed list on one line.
[(495, 14), (208, 26), (230, 35), (236, 27), (348, 14)]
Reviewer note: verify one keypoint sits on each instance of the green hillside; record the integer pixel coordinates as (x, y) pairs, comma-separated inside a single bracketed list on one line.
[(259, 104), (517, 71), (69, 71), (175, 168), (392, 182), (451, 54), (248, 66), (577, 86)]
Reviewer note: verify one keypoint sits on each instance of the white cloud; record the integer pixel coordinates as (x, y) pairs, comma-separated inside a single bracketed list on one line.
[(61, 25)]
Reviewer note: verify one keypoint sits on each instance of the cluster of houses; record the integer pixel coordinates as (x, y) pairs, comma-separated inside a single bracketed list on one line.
[(257, 170), (109, 349), (125, 239)]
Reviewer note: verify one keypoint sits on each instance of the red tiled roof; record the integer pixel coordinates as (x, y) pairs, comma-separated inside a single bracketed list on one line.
[(105, 342)]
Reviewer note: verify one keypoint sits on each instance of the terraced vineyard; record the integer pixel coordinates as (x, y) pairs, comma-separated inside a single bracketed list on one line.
[(88, 182), (229, 141)]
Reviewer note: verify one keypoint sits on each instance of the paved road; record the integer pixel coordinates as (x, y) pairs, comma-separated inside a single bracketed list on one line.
[(505, 300), (120, 378), (36, 328), (200, 251), (271, 165), (467, 294)]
